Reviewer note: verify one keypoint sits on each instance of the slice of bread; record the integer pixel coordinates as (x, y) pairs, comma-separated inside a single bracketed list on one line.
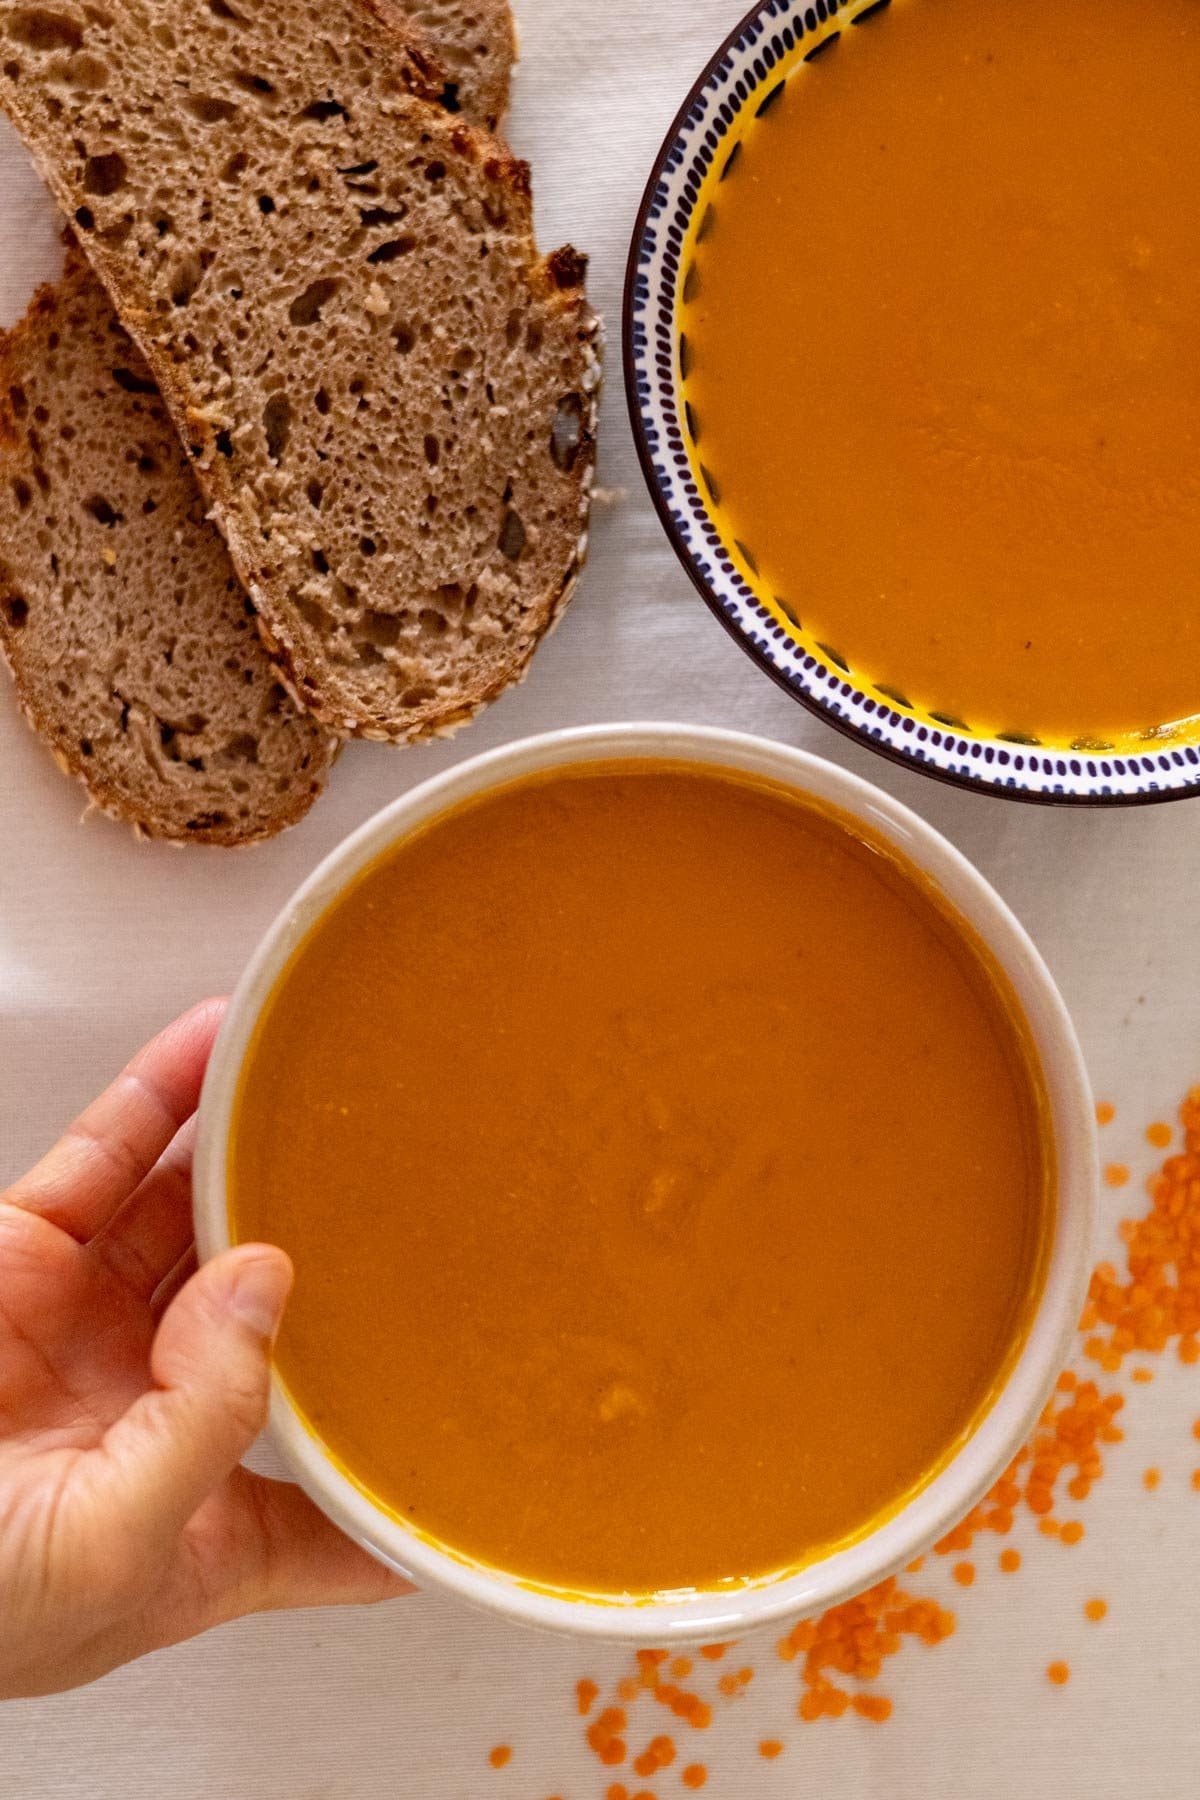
[(475, 43), (389, 399), (133, 649)]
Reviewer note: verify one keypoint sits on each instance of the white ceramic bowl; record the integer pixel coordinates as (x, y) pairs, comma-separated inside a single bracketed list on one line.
[(1011, 1417)]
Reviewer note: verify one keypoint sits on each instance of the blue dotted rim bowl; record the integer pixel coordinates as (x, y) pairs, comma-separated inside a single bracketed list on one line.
[(747, 73)]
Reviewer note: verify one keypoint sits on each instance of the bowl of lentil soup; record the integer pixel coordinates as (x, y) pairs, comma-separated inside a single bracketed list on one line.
[(687, 1163), (911, 363)]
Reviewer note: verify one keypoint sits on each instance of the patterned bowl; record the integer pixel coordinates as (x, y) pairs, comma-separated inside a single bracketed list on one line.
[(745, 77)]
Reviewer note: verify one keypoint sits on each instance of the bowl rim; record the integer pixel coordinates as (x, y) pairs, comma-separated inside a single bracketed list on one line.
[(894, 752), (973, 1465)]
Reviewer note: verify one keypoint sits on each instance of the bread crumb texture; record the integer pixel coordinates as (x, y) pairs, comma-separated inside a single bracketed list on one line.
[(128, 633)]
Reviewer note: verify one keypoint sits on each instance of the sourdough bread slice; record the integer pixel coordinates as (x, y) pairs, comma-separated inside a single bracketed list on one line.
[(475, 43), (389, 398), (127, 631)]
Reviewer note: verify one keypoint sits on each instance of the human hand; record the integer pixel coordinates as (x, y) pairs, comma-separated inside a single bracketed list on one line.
[(126, 1523)]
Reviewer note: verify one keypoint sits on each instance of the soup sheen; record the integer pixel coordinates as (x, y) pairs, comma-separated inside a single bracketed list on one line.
[(945, 371), (664, 1173)]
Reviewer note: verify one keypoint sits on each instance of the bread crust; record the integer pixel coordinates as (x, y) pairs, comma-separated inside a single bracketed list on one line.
[(476, 43)]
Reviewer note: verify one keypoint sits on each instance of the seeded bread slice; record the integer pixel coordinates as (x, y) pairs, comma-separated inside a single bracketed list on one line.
[(388, 397), (134, 652), (475, 43)]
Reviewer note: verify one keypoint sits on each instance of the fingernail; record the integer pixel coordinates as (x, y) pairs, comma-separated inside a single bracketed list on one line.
[(259, 1293)]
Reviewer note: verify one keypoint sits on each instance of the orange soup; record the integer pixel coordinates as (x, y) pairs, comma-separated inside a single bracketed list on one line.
[(665, 1172), (945, 366)]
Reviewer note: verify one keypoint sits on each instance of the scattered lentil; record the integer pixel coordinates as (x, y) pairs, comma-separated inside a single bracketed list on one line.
[(964, 1573), (586, 1693), (1058, 1673), (1151, 1479), (770, 1748), (854, 1639), (1116, 1174), (605, 1736), (1158, 1134), (658, 1754), (1010, 1561), (875, 1707), (1106, 1112), (694, 1776), (1095, 1610), (1146, 1311), (501, 1755)]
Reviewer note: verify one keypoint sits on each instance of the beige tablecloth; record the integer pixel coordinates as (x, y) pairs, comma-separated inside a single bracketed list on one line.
[(102, 939)]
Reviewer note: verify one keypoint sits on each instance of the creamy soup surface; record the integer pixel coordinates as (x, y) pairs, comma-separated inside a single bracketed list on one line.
[(945, 371), (665, 1175)]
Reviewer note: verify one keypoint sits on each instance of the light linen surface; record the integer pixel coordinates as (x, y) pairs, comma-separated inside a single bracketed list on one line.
[(102, 939)]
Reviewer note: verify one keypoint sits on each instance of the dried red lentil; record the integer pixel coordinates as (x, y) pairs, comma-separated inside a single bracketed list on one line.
[(605, 1736), (875, 1707), (658, 1754)]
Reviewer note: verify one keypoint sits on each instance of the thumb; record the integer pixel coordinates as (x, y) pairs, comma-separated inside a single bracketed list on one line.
[(211, 1365)]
